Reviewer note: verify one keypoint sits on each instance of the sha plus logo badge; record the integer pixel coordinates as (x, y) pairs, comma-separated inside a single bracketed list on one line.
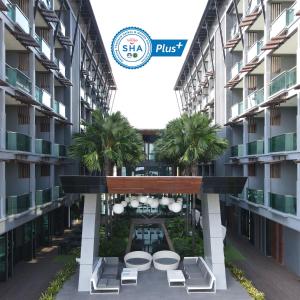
[(132, 47)]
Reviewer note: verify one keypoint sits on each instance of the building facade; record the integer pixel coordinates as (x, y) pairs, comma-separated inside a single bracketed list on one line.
[(243, 70), (53, 72)]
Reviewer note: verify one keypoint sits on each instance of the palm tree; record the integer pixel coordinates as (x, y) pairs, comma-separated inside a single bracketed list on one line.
[(107, 141), (186, 141)]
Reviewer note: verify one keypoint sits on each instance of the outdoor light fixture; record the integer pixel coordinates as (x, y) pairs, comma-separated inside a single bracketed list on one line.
[(154, 203), (164, 201), (118, 209), (124, 203), (134, 203), (176, 207), (143, 199)]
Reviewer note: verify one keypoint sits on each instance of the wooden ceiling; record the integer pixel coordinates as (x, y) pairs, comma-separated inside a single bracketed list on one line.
[(153, 185)]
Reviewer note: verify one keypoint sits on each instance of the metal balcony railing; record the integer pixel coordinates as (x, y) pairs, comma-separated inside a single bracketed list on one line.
[(17, 16), (283, 81), (255, 98), (18, 79), (42, 96), (44, 47), (59, 108)]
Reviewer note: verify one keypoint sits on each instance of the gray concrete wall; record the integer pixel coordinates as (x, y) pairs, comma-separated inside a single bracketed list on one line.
[(14, 184)]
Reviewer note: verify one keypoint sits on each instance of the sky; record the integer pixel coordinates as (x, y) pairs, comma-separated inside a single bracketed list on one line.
[(146, 96)]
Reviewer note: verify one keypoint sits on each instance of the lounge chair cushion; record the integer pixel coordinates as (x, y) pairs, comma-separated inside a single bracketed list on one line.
[(113, 283), (197, 282)]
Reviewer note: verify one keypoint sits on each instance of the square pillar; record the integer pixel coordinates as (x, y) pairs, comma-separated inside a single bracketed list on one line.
[(2, 190), (32, 184), (2, 120), (267, 184), (32, 127), (89, 240), (213, 238), (298, 190)]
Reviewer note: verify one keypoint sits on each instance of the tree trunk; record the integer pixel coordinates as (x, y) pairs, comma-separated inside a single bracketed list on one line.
[(194, 169)]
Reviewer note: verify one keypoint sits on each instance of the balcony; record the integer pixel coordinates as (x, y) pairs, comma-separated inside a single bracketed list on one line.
[(60, 150), (82, 93), (283, 81), (42, 96), (62, 28), (236, 69), (18, 79), (237, 151), (89, 100), (256, 147), (255, 98), (44, 47), (46, 3), (18, 142), (252, 6), (42, 147), (255, 50), (61, 67), (255, 196), (283, 21), (284, 203), (18, 17), (43, 196), (283, 142), (57, 192), (237, 109), (234, 31), (17, 204), (59, 108)]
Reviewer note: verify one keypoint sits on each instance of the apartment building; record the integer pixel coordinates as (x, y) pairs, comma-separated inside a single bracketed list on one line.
[(53, 72), (243, 70)]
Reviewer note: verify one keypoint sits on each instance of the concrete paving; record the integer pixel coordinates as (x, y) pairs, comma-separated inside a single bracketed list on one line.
[(153, 285), (267, 275)]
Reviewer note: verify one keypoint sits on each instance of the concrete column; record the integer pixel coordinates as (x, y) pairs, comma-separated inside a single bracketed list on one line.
[(52, 134), (32, 184), (89, 240), (2, 190), (267, 184), (245, 136), (298, 111), (52, 174), (2, 120), (32, 127), (32, 73), (213, 238), (298, 190), (267, 130), (2, 50)]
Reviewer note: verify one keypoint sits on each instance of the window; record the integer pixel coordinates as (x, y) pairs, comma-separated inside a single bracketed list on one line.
[(275, 116), (45, 170), (24, 170), (252, 170), (251, 125), (44, 124), (276, 64), (275, 170), (23, 115)]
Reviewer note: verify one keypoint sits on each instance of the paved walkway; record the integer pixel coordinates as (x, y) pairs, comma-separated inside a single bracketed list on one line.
[(31, 278), (267, 275)]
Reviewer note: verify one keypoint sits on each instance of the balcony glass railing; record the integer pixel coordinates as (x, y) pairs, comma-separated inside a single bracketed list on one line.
[(43, 196), (18, 142), (59, 108), (236, 69), (44, 47), (16, 15), (42, 147), (284, 203), (283, 21), (62, 28), (234, 30), (253, 4), (283, 81), (255, 98), (82, 93), (61, 66), (283, 142), (57, 192), (47, 3), (17, 204), (255, 196), (256, 147), (18, 79), (255, 50), (60, 150), (237, 109), (42, 96), (237, 151)]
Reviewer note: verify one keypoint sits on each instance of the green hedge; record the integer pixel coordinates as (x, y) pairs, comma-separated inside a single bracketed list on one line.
[(61, 277), (246, 283)]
